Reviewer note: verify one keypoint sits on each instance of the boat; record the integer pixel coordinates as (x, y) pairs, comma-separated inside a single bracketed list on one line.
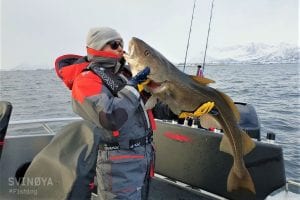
[(188, 162)]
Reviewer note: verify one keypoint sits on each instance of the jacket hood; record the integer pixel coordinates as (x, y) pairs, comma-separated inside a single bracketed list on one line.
[(68, 67)]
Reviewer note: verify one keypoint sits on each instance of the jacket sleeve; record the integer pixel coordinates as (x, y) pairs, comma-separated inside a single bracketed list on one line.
[(96, 101)]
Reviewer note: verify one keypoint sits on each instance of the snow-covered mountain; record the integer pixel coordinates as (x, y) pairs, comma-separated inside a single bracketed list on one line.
[(253, 53)]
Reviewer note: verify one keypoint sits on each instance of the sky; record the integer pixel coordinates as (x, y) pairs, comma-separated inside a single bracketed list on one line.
[(36, 32)]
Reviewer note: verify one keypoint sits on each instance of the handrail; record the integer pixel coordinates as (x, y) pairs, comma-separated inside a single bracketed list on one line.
[(291, 182), (31, 121), (43, 122)]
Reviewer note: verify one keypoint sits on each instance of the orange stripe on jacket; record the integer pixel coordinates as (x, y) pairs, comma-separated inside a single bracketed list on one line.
[(151, 119), (85, 85), (107, 54), (121, 157)]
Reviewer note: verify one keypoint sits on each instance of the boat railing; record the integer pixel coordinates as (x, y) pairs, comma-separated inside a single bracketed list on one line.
[(292, 183), (46, 120), (43, 123)]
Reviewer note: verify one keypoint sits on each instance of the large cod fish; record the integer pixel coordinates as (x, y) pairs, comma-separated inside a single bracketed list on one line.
[(185, 93)]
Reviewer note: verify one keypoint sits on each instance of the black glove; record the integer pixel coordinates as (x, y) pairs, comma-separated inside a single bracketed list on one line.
[(140, 77)]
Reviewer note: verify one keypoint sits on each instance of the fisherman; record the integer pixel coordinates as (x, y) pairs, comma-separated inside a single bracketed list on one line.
[(106, 95)]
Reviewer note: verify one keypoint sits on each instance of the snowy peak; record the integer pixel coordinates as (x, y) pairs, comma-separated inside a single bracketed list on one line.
[(253, 53)]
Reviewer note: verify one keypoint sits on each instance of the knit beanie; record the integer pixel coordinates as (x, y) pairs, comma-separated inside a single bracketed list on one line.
[(98, 37)]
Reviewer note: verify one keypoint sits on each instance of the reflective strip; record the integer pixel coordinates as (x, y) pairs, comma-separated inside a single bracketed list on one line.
[(123, 77), (116, 133), (177, 137), (133, 90), (1, 143), (152, 121), (126, 157), (151, 173), (146, 114)]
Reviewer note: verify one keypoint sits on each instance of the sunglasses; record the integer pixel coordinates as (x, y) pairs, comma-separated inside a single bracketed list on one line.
[(115, 44)]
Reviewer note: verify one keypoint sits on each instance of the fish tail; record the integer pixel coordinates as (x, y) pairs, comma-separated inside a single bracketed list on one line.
[(235, 182)]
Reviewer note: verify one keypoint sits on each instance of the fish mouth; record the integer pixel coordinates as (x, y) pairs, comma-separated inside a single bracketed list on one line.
[(131, 48), (129, 53), (155, 87), (153, 84)]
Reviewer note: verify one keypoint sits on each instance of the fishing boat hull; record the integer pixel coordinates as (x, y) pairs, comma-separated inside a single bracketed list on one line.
[(188, 165), (184, 154)]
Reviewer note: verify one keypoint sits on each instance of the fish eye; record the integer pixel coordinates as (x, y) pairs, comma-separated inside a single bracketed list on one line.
[(146, 52)]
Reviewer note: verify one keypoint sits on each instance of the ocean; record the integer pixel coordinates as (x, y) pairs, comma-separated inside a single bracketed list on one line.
[(272, 89)]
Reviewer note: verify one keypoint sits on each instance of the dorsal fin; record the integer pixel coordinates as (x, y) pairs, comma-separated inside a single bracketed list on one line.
[(202, 80)]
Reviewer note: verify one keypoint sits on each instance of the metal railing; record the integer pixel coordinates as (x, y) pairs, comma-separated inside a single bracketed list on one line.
[(44, 122)]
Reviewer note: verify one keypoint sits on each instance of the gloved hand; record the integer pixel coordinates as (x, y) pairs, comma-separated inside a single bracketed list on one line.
[(140, 77)]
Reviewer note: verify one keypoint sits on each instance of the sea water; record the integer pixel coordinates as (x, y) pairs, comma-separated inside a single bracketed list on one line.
[(272, 89)]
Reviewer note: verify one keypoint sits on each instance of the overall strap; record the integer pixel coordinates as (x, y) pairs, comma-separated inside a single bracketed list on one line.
[(112, 82)]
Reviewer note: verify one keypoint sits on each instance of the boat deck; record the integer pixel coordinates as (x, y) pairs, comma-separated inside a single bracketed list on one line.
[(161, 189)]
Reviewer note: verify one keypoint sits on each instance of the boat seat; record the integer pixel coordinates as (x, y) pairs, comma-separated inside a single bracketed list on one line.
[(5, 112), (249, 121), (192, 156)]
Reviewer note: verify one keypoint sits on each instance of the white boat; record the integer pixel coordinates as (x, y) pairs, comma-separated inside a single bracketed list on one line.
[(189, 164)]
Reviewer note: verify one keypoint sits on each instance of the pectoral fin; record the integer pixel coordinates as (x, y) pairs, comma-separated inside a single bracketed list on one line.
[(202, 80), (151, 102), (209, 121)]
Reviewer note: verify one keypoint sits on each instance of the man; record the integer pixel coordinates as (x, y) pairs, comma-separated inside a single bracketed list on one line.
[(105, 96)]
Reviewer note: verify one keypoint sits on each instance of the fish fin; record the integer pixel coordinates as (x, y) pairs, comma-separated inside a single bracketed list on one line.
[(151, 102), (231, 105), (225, 145), (235, 182), (209, 121), (202, 80), (248, 143)]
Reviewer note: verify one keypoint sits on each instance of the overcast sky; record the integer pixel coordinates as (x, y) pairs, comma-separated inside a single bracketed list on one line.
[(35, 32)]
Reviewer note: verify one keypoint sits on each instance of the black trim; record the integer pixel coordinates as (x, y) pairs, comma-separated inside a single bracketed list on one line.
[(5, 113)]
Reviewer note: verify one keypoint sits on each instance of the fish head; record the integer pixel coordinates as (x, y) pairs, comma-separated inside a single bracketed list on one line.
[(141, 55)]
